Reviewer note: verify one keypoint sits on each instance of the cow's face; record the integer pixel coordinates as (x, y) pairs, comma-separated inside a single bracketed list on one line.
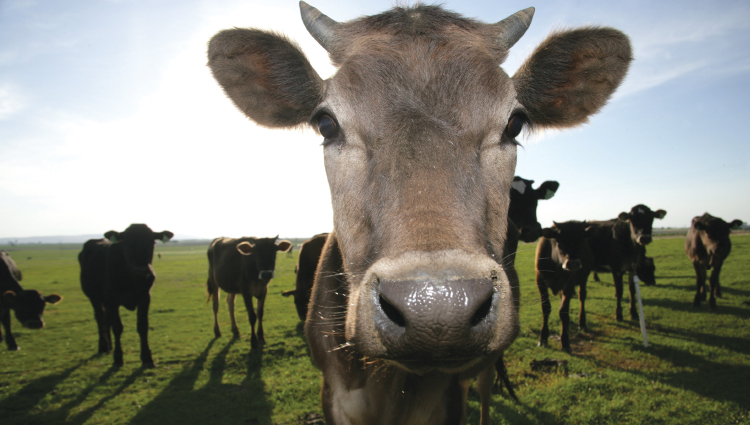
[(641, 220), (260, 255), (523, 203), (29, 306), (571, 242), (419, 127), (136, 245), (714, 234)]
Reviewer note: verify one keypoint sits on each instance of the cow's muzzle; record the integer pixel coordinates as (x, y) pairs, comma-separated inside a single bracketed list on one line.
[(572, 265), (265, 275), (33, 324), (644, 239)]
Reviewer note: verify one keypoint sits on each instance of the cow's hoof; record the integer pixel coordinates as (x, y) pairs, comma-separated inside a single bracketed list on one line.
[(14, 348), (541, 343), (148, 365), (217, 334), (566, 349)]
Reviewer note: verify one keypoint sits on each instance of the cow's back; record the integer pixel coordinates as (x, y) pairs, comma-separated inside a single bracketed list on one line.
[(225, 264), (93, 261), (612, 246), (9, 276)]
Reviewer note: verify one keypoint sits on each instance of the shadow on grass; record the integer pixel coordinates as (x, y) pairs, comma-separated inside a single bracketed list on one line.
[(686, 305), (738, 344), (215, 401)]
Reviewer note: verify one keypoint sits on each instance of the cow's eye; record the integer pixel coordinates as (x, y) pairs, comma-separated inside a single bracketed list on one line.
[(327, 127), (515, 125)]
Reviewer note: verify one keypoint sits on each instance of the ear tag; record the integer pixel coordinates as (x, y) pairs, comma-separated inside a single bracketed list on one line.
[(549, 194), (165, 238), (519, 185)]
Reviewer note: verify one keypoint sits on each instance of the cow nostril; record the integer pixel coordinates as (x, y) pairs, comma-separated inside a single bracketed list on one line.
[(482, 312), (392, 313)]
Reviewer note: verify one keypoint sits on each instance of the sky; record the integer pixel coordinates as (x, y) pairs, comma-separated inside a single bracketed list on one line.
[(110, 116)]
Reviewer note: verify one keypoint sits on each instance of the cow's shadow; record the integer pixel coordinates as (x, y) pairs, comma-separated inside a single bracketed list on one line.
[(190, 398), (686, 305)]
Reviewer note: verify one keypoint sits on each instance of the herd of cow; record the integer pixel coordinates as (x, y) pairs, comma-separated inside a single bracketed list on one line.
[(414, 293)]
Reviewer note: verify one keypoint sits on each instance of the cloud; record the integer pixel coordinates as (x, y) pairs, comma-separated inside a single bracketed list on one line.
[(10, 101)]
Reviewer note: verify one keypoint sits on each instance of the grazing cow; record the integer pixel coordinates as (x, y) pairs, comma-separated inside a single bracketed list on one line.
[(618, 245), (28, 304), (707, 245), (413, 294), (116, 271), (307, 264), (242, 266), (563, 261), (523, 203)]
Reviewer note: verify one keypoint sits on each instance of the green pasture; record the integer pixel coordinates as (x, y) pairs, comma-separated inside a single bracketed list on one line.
[(695, 371)]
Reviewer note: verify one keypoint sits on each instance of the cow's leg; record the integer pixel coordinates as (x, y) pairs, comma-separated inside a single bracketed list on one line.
[(261, 309), (617, 277), (248, 297), (215, 302), (9, 340), (700, 280), (566, 295), (546, 309), (105, 340), (582, 301), (113, 319), (714, 282), (232, 320), (484, 385), (631, 287), (143, 307)]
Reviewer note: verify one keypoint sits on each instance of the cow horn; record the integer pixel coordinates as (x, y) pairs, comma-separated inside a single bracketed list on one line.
[(320, 26), (512, 28)]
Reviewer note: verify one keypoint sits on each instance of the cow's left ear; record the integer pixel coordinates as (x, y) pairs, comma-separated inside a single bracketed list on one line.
[(245, 248), (624, 216), (113, 236), (164, 236), (9, 298), (572, 74), (53, 298), (660, 214), (547, 189), (283, 246), (736, 224)]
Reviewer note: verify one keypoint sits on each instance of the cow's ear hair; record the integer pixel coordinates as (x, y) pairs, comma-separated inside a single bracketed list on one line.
[(113, 236), (9, 298), (572, 74), (266, 75), (164, 236), (735, 224), (53, 298), (549, 233), (624, 216), (547, 189), (245, 248), (660, 214), (283, 246)]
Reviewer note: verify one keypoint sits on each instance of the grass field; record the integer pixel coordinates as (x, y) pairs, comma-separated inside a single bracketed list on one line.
[(695, 371)]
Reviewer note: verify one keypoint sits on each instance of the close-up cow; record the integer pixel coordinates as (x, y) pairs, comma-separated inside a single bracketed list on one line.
[(116, 271), (242, 266), (27, 304), (707, 245), (619, 244), (419, 125)]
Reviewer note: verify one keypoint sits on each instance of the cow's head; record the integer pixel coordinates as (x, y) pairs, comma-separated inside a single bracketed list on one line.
[(260, 255), (134, 249), (29, 306), (714, 233), (571, 242), (419, 129), (641, 220), (523, 203)]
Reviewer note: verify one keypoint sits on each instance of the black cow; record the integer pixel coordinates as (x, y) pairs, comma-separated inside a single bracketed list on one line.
[(242, 266), (307, 265), (523, 203), (645, 269), (563, 261), (116, 271), (617, 246), (28, 304), (707, 245)]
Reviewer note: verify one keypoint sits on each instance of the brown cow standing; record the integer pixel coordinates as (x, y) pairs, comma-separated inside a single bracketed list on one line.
[(707, 245), (28, 304), (619, 244), (307, 265), (413, 294), (242, 266)]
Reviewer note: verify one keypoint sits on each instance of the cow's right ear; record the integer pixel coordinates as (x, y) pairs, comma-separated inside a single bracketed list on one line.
[(549, 233), (53, 299), (736, 224), (164, 236), (245, 248), (283, 245), (112, 236), (9, 298), (266, 75), (624, 216), (547, 189)]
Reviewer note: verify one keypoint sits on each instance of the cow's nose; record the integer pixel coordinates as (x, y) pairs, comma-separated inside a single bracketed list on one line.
[(266, 275), (644, 239), (433, 319), (530, 233), (572, 265)]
